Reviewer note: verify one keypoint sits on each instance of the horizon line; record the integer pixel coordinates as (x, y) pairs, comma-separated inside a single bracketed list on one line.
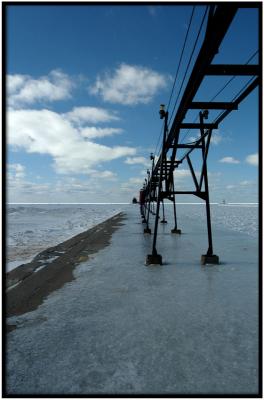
[(67, 203), (57, 203)]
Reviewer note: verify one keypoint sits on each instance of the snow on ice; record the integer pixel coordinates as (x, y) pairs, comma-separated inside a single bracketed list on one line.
[(33, 228)]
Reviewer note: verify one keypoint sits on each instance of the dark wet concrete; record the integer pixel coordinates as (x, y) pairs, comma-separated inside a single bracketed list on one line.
[(29, 284)]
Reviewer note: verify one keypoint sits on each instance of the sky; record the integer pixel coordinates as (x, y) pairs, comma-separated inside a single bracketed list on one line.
[(84, 86)]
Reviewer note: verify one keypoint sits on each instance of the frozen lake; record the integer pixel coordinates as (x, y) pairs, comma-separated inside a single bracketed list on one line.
[(32, 228), (123, 328)]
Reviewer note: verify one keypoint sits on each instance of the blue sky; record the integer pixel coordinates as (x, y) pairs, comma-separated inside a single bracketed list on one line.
[(84, 88)]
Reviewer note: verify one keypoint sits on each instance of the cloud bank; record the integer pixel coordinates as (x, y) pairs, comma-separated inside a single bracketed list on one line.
[(26, 90), (129, 85), (229, 160), (83, 115), (48, 132), (252, 159)]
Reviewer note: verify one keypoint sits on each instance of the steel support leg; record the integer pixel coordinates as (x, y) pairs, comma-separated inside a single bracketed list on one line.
[(147, 229), (175, 229), (209, 229), (143, 214), (156, 258), (209, 257), (163, 221)]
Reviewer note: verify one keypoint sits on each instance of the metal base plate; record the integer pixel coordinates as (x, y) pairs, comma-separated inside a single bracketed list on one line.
[(213, 259), (153, 259), (147, 230), (178, 231)]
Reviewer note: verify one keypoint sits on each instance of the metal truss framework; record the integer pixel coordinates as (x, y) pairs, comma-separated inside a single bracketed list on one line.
[(160, 182)]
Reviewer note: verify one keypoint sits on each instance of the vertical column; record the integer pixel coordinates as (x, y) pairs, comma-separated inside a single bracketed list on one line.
[(163, 221), (147, 229), (209, 257), (142, 203), (175, 229), (156, 258)]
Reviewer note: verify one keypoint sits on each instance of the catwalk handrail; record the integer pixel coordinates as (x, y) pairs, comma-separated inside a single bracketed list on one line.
[(222, 18), (154, 190), (217, 26)]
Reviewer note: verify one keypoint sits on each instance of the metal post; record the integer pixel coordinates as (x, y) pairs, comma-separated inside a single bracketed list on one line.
[(163, 221), (143, 205), (147, 229), (175, 229), (155, 196), (145, 202), (156, 258), (209, 257)]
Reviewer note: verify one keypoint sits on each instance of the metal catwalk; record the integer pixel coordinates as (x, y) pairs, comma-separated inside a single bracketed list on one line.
[(159, 184)]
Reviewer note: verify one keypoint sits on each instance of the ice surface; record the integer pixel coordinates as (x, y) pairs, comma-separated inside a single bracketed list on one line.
[(33, 228), (14, 264), (122, 327), (237, 218)]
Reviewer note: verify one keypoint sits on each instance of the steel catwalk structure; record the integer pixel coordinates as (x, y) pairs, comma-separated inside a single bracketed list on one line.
[(159, 184)]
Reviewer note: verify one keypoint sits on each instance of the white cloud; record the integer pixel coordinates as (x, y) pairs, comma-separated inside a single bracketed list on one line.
[(65, 189), (15, 82), (132, 184), (16, 171), (229, 187), (23, 89), (129, 85), (181, 173), (81, 115), (214, 175), (137, 160), (92, 132), (104, 175), (193, 138), (252, 159), (246, 183), (47, 132), (216, 138), (229, 160), (137, 181)]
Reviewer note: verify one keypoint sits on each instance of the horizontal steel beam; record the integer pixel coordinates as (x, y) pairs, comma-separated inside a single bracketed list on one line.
[(219, 20), (202, 195), (187, 146), (198, 126), (168, 167), (240, 98), (217, 26), (216, 105), (184, 192), (170, 162), (232, 69)]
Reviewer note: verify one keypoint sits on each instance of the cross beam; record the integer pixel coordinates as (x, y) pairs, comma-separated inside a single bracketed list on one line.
[(233, 69)]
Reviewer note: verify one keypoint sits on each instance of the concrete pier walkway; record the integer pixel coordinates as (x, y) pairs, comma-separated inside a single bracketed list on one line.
[(121, 327)]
